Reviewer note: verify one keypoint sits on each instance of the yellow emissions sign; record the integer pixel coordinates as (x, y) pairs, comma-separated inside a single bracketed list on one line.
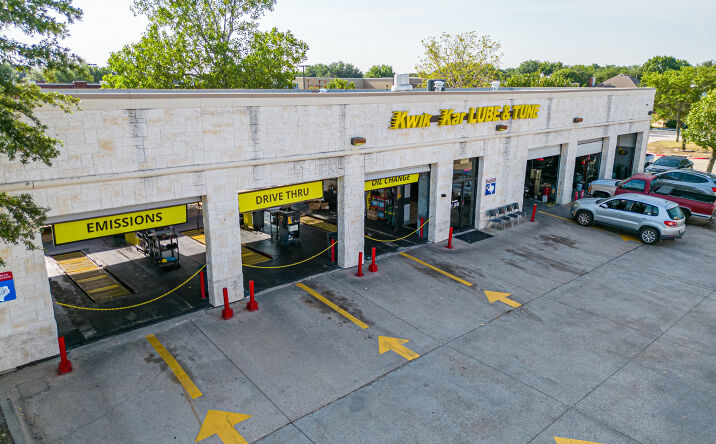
[(84, 229), (390, 181), (276, 197)]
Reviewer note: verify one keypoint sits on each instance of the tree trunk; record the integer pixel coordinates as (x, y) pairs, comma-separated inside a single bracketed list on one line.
[(712, 160), (678, 129)]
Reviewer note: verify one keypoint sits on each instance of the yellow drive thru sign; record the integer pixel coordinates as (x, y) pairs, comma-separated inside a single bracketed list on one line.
[(390, 181), (78, 230), (276, 197)]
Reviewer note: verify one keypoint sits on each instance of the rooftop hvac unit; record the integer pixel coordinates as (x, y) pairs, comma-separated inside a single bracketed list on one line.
[(401, 82), (436, 85)]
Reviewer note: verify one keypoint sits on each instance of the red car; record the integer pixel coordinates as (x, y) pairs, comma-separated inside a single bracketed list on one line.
[(692, 201)]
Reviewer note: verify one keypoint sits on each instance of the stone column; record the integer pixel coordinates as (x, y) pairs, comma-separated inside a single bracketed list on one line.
[(642, 140), (351, 209), (440, 183), (609, 149), (223, 237), (566, 172), (28, 330)]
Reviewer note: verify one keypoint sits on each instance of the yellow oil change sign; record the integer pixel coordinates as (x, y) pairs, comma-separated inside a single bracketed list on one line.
[(276, 197), (78, 230), (390, 181)]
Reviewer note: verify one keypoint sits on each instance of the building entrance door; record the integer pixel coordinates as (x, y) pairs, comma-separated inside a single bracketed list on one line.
[(462, 211)]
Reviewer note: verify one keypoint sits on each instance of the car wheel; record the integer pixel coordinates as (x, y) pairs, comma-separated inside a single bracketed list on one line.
[(649, 235), (584, 218)]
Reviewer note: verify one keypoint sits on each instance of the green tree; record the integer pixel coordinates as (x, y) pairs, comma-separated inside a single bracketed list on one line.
[(22, 135), (83, 72), (340, 84), (378, 71), (465, 60), (206, 44), (534, 79), (701, 125), (677, 90), (662, 64)]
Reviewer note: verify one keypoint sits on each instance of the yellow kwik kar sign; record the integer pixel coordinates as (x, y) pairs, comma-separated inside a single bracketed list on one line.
[(402, 120), (277, 197), (78, 230)]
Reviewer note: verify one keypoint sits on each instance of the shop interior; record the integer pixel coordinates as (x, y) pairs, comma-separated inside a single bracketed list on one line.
[(541, 179), (122, 270), (586, 169), (392, 212)]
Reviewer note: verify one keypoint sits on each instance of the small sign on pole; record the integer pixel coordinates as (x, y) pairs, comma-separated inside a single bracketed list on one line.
[(7, 287)]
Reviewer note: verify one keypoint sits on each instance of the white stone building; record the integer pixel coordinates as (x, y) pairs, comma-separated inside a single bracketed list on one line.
[(130, 150)]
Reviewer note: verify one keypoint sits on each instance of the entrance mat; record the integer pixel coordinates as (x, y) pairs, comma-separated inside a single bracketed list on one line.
[(318, 223), (248, 255), (99, 285), (473, 236)]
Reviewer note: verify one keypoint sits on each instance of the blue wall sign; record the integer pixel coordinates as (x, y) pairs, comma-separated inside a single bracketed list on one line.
[(490, 186), (7, 287)]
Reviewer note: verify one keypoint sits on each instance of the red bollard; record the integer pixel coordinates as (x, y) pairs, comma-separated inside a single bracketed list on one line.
[(360, 265), (227, 312), (576, 195), (65, 364), (373, 268), (534, 211), (421, 227), (449, 245), (252, 305), (203, 284), (581, 194), (333, 250)]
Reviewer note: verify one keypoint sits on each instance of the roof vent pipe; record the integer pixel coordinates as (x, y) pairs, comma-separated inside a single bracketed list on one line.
[(401, 82), (495, 85)]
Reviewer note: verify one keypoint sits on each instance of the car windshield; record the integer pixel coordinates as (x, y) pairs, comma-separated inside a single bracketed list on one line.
[(668, 161), (675, 213)]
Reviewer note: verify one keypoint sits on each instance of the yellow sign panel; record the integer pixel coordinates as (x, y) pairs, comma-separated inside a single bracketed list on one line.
[(78, 230), (276, 197), (402, 120), (390, 181)]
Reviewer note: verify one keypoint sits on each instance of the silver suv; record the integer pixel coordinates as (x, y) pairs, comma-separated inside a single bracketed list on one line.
[(652, 217), (703, 181)]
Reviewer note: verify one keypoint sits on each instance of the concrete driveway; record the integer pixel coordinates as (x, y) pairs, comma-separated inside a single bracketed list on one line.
[(590, 336)]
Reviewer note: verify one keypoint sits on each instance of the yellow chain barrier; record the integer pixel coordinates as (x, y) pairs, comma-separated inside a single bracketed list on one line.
[(135, 305), (397, 239), (291, 265)]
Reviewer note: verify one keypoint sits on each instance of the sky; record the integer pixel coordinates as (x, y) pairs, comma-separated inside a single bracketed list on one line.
[(370, 32)]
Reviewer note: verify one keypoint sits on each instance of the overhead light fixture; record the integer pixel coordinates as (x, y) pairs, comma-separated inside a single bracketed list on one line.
[(578, 120), (357, 141), (501, 127)]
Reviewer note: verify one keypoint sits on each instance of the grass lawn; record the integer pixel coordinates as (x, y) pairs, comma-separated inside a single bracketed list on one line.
[(4, 433), (674, 147)]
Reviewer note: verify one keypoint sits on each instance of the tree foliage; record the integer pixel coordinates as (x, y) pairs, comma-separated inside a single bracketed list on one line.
[(206, 44), (537, 80), (378, 71), (22, 134), (464, 60), (661, 64), (83, 72), (677, 90), (339, 69), (340, 84), (701, 125)]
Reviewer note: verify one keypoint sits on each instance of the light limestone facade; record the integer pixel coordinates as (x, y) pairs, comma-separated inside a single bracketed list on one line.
[(123, 149)]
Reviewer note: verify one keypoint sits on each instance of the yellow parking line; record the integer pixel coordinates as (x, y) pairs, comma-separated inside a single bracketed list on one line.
[(553, 215), (344, 313), (451, 276), (179, 372)]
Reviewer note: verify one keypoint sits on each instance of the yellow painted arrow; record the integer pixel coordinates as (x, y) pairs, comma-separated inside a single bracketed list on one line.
[(222, 425), (386, 343), (493, 296), (559, 440)]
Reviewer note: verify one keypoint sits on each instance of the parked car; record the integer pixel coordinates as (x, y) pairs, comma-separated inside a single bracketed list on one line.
[(691, 178), (652, 217), (694, 202), (648, 160), (603, 187), (667, 163)]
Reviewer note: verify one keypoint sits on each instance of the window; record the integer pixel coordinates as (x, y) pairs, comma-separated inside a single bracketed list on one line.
[(668, 161), (692, 178), (675, 213), (685, 163), (618, 204), (642, 208), (634, 185), (670, 176)]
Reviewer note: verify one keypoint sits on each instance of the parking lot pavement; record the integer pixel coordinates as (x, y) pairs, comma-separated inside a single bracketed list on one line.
[(590, 336)]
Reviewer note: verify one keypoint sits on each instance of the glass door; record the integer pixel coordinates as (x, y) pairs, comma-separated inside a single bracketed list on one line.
[(456, 205)]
